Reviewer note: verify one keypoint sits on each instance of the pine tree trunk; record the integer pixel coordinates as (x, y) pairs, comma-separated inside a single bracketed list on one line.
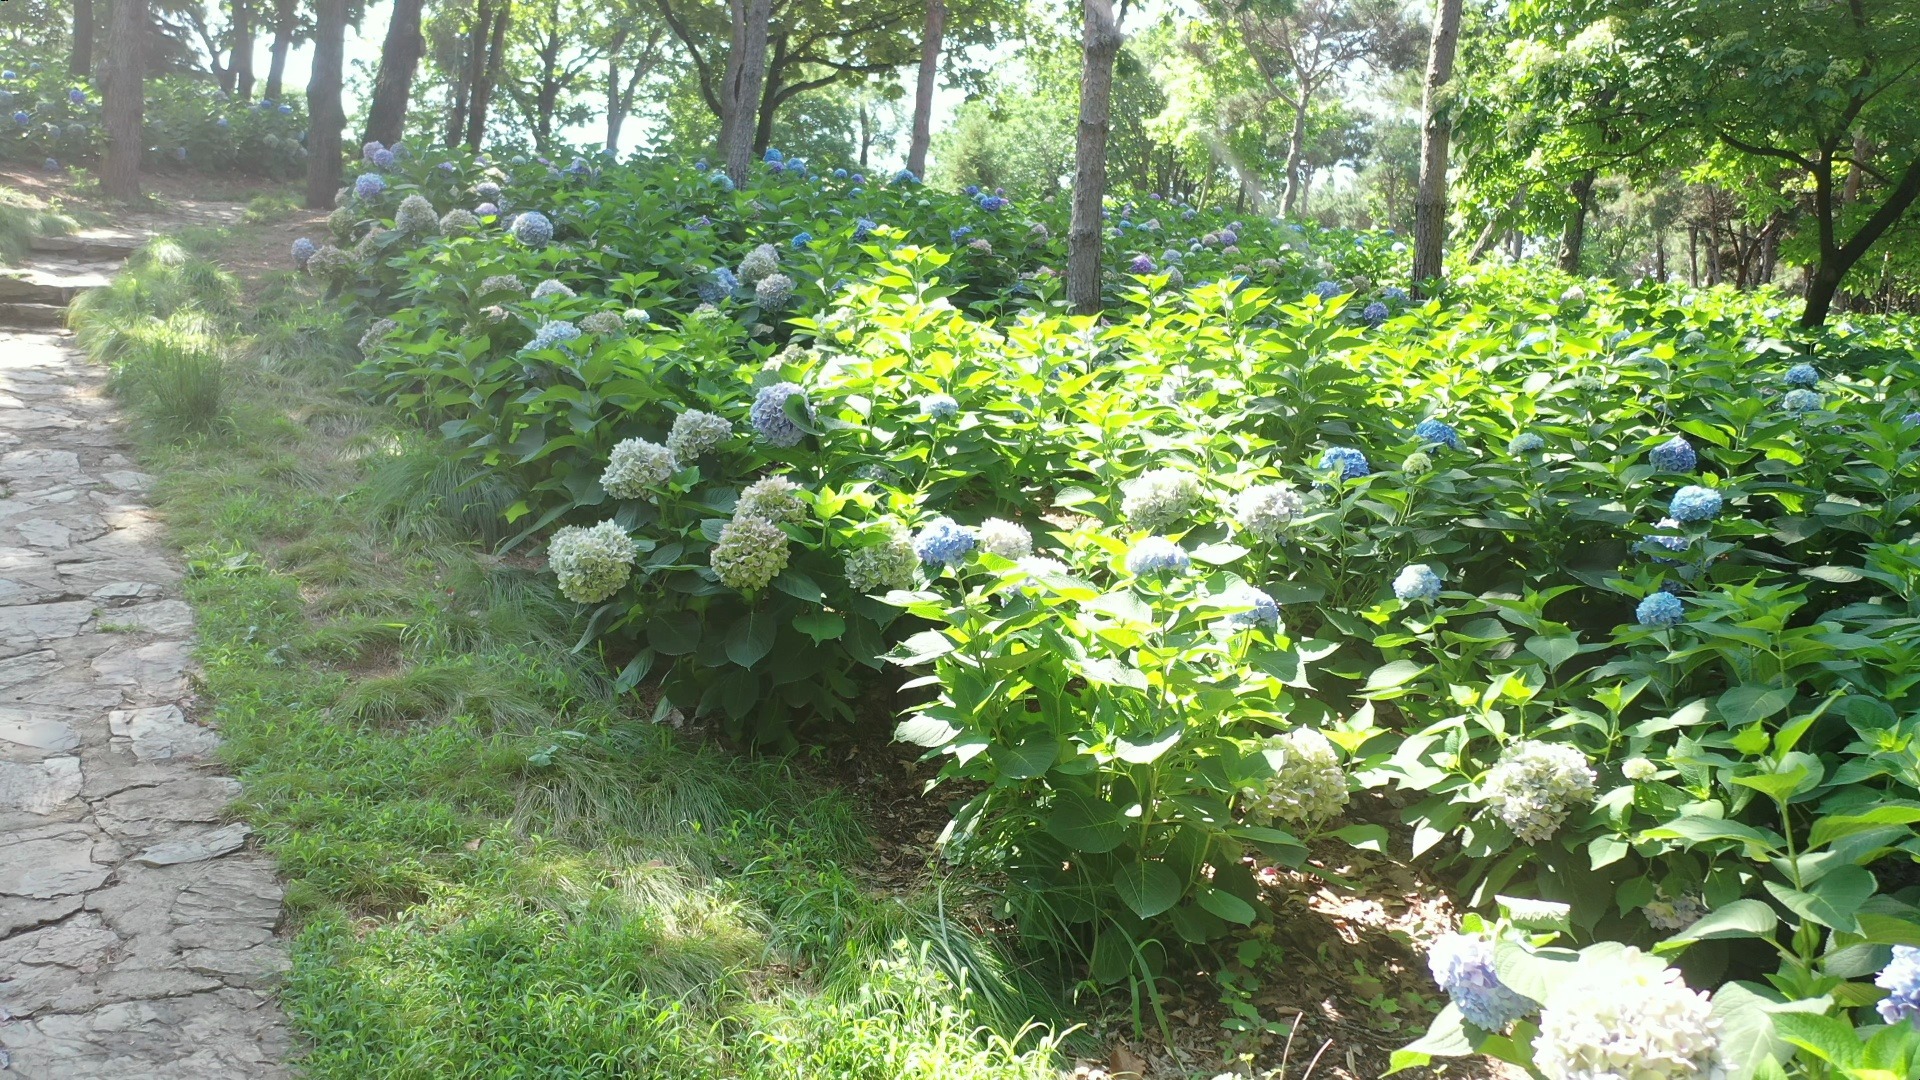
[(923, 90), (80, 60), (242, 61), (746, 77), (1573, 237), (387, 112), (286, 19), (325, 118), (1099, 43), (126, 91), (1430, 201)]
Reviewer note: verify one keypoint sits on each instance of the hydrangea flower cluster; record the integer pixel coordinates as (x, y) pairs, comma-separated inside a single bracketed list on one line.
[(487, 191), (942, 542), (750, 553), (940, 406), (1007, 539), (604, 323), (1693, 503), (1266, 510), (1675, 914), (1159, 497), (369, 185), (1802, 401), (1436, 432), (553, 287), (1327, 290), (636, 467), (1660, 609), (717, 286), (592, 563), (759, 263), (1141, 264), (1462, 966), (1526, 442), (1375, 313), (533, 229), (1351, 464), (1631, 1019), (416, 217), (1156, 555), (1417, 583), (773, 292), (769, 414), (328, 262), (884, 566), (1417, 463), (500, 283), (376, 333), (303, 250), (694, 433), (1307, 787), (1639, 768), (458, 221), (553, 333), (1675, 455), (1262, 609), (1801, 375), (1901, 979), (863, 228), (771, 498), (1535, 785)]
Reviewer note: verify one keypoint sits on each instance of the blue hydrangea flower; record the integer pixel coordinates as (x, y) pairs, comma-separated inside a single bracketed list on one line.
[(286, 110), (1263, 609), (773, 156), (863, 228), (1801, 375), (839, 174), (556, 332), (1157, 554), (23, 118), (533, 229), (1141, 264), (796, 165), (1327, 290), (1394, 294), (303, 250), (78, 97), (941, 542), (1694, 503), (993, 204), (1462, 965), (722, 181), (716, 286), (383, 159), (1675, 455), (971, 190), (9, 74), (369, 185), (800, 240), (1911, 419), (940, 406), (1351, 464), (1375, 313), (1525, 443), (1660, 609), (1901, 979), (222, 123), (1802, 400), (769, 414), (1417, 582), (1436, 432), (51, 164), (859, 178), (905, 176), (960, 233)]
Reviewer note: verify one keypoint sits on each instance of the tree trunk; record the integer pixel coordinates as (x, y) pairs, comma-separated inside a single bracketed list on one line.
[(495, 58), (866, 133), (387, 112), (242, 61), (1660, 255), (746, 78), (1573, 236), (616, 111), (80, 60), (286, 19), (1099, 44), (923, 90), (1296, 151), (476, 63), (1430, 200), (126, 92), (1837, 259), (325, 118)]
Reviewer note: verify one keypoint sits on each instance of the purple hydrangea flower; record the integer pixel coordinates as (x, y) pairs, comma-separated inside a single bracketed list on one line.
[(1462, 965), (369, 185), (1675, 455)]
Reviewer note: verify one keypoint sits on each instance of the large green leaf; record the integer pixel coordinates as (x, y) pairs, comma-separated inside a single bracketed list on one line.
[(1834, 901), (751, 638), (1745, 705), (1086, 824), (1142, 753), (1740, 919), (1828, 829), (1446, 1037), (1226, 905), (1147, 887)]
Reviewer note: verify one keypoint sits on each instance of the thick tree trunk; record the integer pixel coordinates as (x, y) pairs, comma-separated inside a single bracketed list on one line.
[(399, 57), (1100, 43), (286, 19), (325, 118), (242, 61), (1296, 153), (126, 92), (1836, 259), (1430, 201), (489, 75), (1573, 236), (746, 78), (923, 90), (80, 60)]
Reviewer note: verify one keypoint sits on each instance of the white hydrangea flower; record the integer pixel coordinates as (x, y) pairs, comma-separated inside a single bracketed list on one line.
[(695, 433), (501, 283), (1630, 1018), (552, 287), (759, 264), (1266, 510), (636, 467), (751, 552), (1005, 538), (1308, 785), (1535, 785), (1639, 768), (772, 498), (1159, 497), (592, 562)]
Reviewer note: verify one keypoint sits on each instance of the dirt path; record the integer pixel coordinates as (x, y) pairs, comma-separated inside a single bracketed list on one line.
[(137, 927)]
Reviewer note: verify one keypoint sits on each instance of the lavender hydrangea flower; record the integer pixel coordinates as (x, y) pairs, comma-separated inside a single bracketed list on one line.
[(1676, 455), (1901, 979), (367, 150), (1417, 583), (487, 191), (1660, 609), (1157, 554), (533, 229), (1462, 966), (369, 185), (1801, 375), (1141, 264), (303, 250), (383, 159), (1375, 313), (993, 204), (769, 414), (942, 542), (1437, 432), (1351, 464), (1694, 503)]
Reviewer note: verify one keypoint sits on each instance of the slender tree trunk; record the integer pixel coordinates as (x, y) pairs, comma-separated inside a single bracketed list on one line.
[(80, 60), (242, 62), (1693, 256), (399, 57), (1100, 43), (1296, 152), (476, 65), (1573, 236), (126, 92), (325, 118), (286, 19), (866, 133), (1660, 255), (1430, 200), (746, 78), (489, 75), (616, 110), (930, 43)]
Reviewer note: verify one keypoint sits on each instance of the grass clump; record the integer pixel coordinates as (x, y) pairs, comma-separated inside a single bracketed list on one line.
[(22, 219), (495, 868)]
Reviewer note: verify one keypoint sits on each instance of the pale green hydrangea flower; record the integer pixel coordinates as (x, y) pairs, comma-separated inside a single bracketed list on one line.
[(592, 562)]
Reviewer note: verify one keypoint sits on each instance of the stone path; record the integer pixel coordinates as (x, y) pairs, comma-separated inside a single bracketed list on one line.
[(137, 927)]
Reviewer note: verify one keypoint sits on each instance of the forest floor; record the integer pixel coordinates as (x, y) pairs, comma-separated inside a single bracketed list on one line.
[(445, 788)]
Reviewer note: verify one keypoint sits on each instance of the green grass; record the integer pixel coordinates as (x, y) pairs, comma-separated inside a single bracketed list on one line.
[(22, 219), (495, 867)]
